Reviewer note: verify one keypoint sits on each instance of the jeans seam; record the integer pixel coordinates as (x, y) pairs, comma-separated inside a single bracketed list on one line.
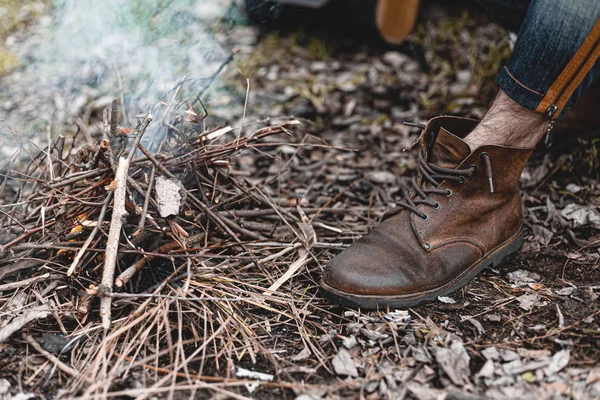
[(519, 83)]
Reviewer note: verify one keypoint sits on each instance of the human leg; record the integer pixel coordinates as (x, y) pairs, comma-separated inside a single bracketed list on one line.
[(554, 62), (464, 211), (508, 123), (555, 58)]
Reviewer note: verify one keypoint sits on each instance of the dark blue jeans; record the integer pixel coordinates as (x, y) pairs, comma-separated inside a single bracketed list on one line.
[(556, 56)]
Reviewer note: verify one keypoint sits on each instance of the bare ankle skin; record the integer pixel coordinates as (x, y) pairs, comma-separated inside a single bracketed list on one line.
[(506, 123)]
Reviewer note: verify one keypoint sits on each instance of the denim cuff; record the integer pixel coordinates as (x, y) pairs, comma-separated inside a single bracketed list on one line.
[(553, 59), (516, 90)]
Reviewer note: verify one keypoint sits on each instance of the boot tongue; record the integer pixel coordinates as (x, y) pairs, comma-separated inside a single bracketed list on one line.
[(449, 150)]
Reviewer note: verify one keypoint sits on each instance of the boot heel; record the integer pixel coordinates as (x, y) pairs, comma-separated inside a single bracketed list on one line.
[(498, 259)]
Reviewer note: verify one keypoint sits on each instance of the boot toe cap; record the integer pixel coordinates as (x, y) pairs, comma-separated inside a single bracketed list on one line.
[(354, 272)]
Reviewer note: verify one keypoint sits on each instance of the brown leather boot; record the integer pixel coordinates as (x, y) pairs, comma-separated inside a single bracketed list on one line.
[(463, 215)]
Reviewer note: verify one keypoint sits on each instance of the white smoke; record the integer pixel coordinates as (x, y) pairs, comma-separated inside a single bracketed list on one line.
[(88, 51)]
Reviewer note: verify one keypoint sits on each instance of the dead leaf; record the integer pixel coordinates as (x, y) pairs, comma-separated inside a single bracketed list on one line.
[(168, 196), (303, 355), (383, 177), (582, 215), (522, 277), (487, 370), (559, 361), (446, 300), (23, 319), (491, 353), (509, 355), (4, 386), (373, 335), (111, 187), (534, 353), (566, 291), (594, 376), (422, 392), (343, 364), (192, 116), (177, 230), (542, 234), (578, 242), (536, 286), (398, 317), (528, 301), (573, 188), (493, 317), (310, 237), (395, 59), (350, 342), (477, 325), (454, 360)]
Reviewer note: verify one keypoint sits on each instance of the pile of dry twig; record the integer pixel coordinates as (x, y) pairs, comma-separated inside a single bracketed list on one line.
[(108, 241)]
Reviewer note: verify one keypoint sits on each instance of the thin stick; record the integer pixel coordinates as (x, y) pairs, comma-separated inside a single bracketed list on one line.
[(77, 177), (24, 236), (52, 358), (142, 223), (158, 289), (299, 263), (214, 76), (139, 264), (87, 243), (105, 128), (25, 318), (112, 244), (244, 113), (121, 88), (24, 282), (49, 153), (114, 118), (138, 138)]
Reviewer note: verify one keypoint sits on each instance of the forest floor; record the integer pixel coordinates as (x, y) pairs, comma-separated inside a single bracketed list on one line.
[(216, 316)]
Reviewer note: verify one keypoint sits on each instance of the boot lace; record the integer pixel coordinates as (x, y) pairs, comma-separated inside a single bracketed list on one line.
[(435, 175)]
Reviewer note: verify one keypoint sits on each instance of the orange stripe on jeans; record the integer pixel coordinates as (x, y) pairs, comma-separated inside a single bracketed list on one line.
[(564, 98), (574, 72)]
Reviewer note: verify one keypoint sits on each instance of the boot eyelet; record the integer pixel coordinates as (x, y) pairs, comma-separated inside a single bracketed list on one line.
[(436, 206), (448, 193), (425, 217), (461, 179), (426, 246)]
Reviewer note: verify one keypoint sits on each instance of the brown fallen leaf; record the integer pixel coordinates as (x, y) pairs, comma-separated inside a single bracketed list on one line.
[(111, 187)]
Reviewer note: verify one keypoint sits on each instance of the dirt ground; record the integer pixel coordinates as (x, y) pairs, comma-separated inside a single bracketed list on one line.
[(529, 329)]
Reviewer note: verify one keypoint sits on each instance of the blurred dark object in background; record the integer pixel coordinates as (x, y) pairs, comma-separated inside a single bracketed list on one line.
[(336, 12), (582, 119), (391, 19)]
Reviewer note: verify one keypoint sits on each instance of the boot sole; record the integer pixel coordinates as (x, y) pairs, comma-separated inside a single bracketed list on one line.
[(491, 259)]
